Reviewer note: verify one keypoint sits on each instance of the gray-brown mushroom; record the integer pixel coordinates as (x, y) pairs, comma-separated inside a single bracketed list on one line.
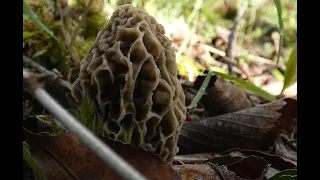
[(130, 74)]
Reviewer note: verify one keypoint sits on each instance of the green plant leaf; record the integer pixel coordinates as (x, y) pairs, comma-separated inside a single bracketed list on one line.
[(245, 85), (290, 75), (202, 89), (289, 174), (29, 160), (27, 34), (279, 11)]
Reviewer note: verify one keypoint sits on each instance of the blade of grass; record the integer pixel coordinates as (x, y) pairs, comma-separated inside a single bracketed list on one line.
[(34, 18), (39, 53), (276, 73), (279, 11), (290, 75), (202, 89), (245, 85), (29, 160), (195, 10)]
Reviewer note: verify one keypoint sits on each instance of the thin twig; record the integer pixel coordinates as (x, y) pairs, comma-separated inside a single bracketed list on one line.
[(83, 134), (233, 35), (53, 76)]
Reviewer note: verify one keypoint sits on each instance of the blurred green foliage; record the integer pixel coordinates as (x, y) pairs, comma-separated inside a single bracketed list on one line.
[(86, 115), (201, 16)]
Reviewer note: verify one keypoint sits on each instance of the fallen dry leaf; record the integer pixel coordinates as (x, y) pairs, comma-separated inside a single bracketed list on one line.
[(276, 161), (284, 148), (195, 171), (64, 157), (237, 163), (248, 168), (251, 167), (252, 128), (224, 173), (222, 96)]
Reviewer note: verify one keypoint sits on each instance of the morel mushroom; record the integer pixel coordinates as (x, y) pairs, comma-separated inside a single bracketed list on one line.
[(131, 76)]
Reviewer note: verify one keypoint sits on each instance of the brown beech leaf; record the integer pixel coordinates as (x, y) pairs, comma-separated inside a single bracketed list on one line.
[(64, 157), (252, 128), (222, 96)]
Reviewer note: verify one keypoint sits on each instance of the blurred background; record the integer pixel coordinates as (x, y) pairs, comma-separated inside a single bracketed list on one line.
[(57, 35)]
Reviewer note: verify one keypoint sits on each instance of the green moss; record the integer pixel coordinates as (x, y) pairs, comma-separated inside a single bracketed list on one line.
[(126, 136), (87, 116)]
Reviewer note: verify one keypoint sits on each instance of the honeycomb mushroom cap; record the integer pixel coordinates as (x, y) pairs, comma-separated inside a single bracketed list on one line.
[(130, 74)]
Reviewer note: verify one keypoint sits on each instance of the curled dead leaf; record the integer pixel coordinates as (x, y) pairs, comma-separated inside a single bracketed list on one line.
[(253, 128), (251, 167), (222, 96)]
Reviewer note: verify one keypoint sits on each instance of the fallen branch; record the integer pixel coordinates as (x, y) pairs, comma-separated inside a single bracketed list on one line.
[(34, 86), (51, 76)]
